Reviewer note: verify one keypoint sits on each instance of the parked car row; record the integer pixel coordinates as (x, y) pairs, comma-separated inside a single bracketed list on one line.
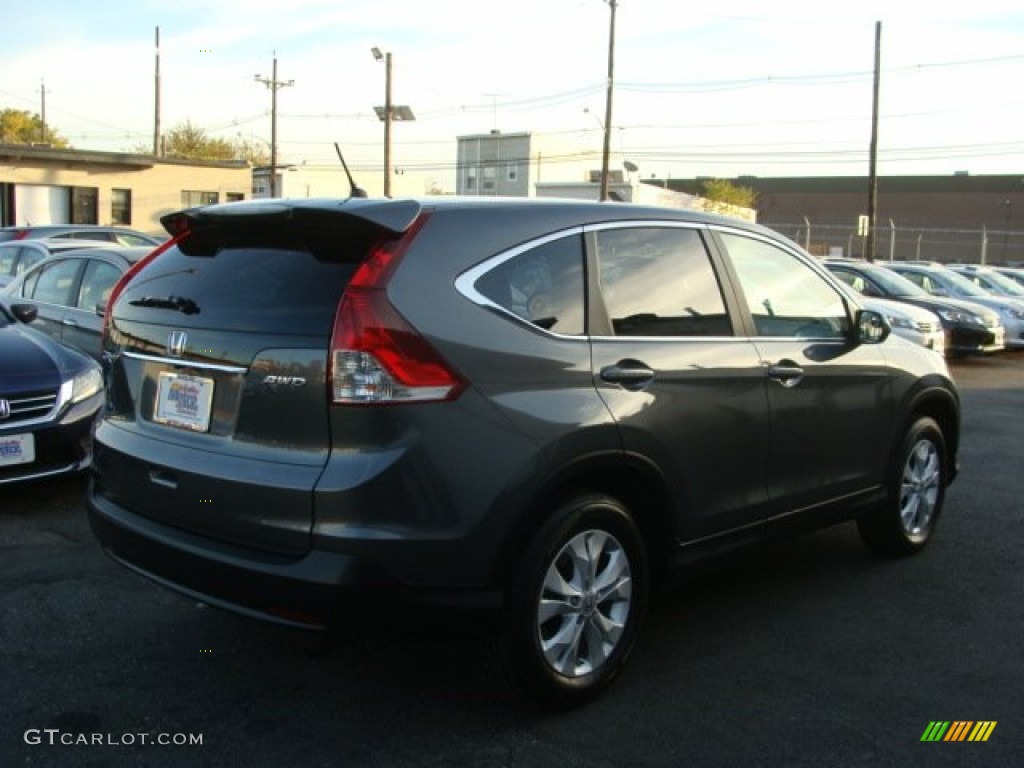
[(970, 326), (942, 281), (53, 282)]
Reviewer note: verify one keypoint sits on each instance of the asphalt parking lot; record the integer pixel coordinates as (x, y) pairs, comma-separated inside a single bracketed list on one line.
[(812, 653)]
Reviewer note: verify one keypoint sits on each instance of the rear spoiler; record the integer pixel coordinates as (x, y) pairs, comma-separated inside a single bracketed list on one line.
[(395, 216)]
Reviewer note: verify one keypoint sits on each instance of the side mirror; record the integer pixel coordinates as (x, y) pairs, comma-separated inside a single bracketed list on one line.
[(100, 309), (26, 313), (871, 327)]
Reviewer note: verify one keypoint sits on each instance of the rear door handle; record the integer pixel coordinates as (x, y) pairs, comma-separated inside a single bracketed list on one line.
[(628, 374)]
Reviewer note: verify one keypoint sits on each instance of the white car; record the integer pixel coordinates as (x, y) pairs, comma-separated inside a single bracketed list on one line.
[(918, 325)]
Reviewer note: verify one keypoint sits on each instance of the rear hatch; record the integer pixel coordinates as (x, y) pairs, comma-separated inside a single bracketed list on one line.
[(217, 351)]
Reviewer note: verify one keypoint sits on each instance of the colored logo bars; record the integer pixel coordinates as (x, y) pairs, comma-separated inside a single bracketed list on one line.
[(958, 730)]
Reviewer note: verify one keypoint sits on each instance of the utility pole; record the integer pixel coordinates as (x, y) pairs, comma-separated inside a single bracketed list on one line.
[(869, 254), (156, 98), (274, 85), (42, 86), (613, 4)]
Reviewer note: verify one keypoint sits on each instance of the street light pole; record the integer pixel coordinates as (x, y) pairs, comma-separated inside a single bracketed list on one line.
[(387, 124), (613, 4), (388, 113), (274, 85)]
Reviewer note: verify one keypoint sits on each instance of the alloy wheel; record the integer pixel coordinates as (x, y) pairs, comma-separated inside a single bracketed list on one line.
[(584, 603), (919, 488)]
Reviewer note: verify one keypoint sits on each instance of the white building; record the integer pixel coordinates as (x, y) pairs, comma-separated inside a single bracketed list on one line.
[(47, 185)]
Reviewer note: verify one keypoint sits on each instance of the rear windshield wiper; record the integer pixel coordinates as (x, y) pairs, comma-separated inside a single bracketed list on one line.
[(177, 303)]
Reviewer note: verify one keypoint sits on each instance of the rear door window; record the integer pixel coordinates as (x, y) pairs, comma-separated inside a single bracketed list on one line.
[(659, 281)]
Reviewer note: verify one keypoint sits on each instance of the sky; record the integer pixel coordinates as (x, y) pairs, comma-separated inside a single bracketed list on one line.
[(712, 89)]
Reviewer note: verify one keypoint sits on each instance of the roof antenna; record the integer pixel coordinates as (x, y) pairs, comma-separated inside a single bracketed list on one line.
[(355, 191)]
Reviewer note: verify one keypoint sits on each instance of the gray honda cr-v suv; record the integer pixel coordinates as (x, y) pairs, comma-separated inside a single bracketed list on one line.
[(318, 407)]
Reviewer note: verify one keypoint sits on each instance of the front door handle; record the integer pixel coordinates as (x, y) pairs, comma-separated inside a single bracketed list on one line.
[(628, 374), (786, 372)]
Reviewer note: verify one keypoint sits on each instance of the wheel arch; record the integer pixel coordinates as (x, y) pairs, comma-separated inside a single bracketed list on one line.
[(630, 479), (942, 406)]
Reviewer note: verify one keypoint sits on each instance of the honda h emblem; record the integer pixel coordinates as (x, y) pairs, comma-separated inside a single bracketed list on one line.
[(5, 409), (176, 341)]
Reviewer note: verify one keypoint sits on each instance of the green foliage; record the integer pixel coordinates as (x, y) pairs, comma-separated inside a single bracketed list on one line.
[(724, 191), (190, 142), (248, 150), (18, 126)]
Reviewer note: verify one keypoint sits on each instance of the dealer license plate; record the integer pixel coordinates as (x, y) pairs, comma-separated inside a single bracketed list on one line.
[(184, 401), (17, 449)]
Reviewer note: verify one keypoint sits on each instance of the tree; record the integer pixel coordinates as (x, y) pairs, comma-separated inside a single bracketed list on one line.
[(189, 141), (18, 126), (248, 150), (724, 191)]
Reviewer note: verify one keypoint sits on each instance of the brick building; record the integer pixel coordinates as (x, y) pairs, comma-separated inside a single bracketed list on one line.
[(945, 218)]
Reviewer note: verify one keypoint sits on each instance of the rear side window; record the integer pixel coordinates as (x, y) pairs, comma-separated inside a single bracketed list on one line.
[(658, 281), (97, 282), (256, 281), (544, 286), (7, 258), (29, 258)]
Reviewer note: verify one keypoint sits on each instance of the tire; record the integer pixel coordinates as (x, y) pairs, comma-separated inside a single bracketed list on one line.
[(905, 523), (575, 603)]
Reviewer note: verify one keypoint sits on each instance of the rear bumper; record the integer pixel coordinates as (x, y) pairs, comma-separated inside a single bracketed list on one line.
[(318, 590)]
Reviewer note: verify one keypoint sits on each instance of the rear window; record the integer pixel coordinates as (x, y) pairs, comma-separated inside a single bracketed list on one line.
[(279, 282)]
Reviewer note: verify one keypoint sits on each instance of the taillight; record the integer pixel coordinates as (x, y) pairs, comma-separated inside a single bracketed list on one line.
[(376, 356), (133, 270)]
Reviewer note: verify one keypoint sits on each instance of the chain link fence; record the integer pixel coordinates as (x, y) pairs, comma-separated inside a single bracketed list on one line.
[(905, 243)]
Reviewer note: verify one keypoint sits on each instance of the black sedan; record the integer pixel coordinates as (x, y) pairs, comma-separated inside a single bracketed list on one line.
[(70, 289), (49, 397)]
